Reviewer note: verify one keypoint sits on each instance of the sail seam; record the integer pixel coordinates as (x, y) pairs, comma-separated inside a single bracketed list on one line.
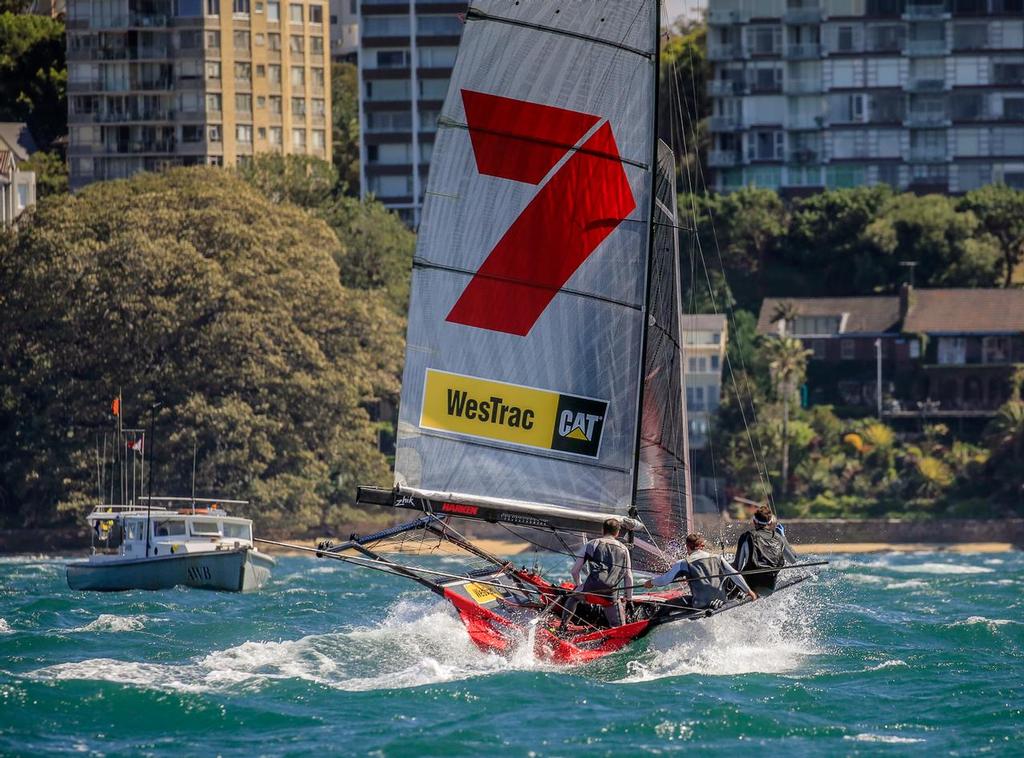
[(446, 121), (421, 263), (478, 15)]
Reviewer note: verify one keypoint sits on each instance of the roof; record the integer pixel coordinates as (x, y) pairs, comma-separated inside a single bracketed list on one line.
[(18, 138), (864, 315), (965, 310), (703, 322)]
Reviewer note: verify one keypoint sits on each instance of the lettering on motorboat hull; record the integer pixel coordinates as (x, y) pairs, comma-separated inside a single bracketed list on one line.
[(512, 413)]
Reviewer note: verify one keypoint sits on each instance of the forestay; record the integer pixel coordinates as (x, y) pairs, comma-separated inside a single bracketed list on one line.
[(523, 357)]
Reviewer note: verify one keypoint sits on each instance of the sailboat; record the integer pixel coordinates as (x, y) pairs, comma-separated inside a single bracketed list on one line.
[(543, 386)]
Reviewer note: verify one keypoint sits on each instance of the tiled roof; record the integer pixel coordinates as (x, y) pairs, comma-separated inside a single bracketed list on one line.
[(965, 310), (869, 315)]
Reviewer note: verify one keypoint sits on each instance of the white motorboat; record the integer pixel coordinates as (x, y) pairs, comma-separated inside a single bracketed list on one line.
[(168, 542)]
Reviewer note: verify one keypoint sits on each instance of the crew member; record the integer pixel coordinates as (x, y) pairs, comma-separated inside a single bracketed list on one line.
[(708, 575), (608, 565), (763, 546)]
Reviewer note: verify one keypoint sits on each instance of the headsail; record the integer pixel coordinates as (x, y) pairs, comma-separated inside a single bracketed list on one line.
[(522, 369), (664, 500)]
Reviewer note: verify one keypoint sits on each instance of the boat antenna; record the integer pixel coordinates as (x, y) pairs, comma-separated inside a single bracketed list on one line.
[(195, 449), (149, 500)]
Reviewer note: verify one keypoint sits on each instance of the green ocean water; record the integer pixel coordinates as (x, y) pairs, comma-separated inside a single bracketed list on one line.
[(907, 654)]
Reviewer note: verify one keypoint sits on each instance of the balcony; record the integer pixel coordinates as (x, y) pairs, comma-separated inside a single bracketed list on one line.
[(723, 158), (928, 156), (934, 12), (926, 47), (803, 155), (723, 17), (804, 51), (724, 123), (802, 86), (802, 122), (797, 16), (725, 88), (725, 52), (925, 85), (926, 120), (139, 146)]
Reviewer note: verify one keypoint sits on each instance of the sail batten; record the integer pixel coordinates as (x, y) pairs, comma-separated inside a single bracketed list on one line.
[(527, 306)]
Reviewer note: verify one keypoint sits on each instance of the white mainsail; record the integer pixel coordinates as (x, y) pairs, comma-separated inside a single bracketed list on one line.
[(527, 314)]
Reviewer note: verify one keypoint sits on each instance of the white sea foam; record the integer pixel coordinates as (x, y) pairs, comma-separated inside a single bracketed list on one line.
[(866, 579), (894, 663), (940, 568), (108, 622), (5, 628), (990, 623), (888, 739), (906, 585), (771, 636)]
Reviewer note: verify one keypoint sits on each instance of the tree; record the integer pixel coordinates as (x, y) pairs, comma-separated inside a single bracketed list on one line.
[(345, 115), (300, 179), (683, 105), (51, 173), (1004, 437), (190, 288), (787, 362), (785, 313), (951, 246), (33, 75), (1001, 211)]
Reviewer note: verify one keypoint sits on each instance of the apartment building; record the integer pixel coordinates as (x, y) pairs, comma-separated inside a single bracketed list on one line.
[(704, 341), (158, 83), (407, 51), (924, 95), (344, 30)]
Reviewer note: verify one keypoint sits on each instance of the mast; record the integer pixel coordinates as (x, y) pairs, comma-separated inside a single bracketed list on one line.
[(656, 61)]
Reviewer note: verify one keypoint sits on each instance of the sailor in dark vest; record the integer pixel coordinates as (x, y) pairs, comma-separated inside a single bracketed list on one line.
[(764, 546), (710, 577), (608, 565)]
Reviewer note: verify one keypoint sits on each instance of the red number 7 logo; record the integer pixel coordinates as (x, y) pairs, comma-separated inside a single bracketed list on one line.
[(579, 206)]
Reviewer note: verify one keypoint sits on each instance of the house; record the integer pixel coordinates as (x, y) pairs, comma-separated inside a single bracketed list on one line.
[(704, 341), (17, 187), (943, 352)]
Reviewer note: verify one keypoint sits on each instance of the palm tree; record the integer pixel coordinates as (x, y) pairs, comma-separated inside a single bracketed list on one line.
[(786, 313), (787, 361)]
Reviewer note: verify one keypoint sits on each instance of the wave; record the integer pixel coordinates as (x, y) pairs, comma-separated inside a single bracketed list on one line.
[(894, 663), (770, 637), (108, 622), (5, 628), (941, 568), (906, 585), (990, 623), (889, 739)]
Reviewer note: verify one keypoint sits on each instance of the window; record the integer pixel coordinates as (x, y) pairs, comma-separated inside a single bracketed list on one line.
[(847, 350), (260, 39), (388, 121), (299, 107), (435, 57), (389, 26), (213, 69), (169, 528), (213, 101), (188, 39), (261, 133), (261, 71), (298, 77), (243, 133), (214, 133), (433, 89), (995, 349), (808, 325), (273, 11), (295, 43), (205, 528), (952, 350), (319, 140), (318, 107), (275, 104), (274, 134), (212, 7), (695, 398), (274, 73), (274, 41), (715, 363), (241, 40), (915, 348), (299, 139), (318, 77), (189, 8), (844, 39), (970, 36), (316, 45), (237, 531), (240, 7), (213, 39), (133, 530), (261, 102), (243, 104), (295, 13), (192, 133), (243, 71), (316, 14)]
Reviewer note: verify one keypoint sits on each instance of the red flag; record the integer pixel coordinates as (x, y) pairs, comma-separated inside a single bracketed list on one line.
[(136, 445), (115, 407)]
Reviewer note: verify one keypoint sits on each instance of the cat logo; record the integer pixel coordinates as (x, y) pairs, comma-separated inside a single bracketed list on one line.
[(512, 413)]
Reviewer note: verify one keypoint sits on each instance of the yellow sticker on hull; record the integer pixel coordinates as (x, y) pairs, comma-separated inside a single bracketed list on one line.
[(481, 593)]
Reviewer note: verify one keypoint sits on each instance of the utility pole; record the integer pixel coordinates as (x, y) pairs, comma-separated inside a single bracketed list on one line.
[(878, 376)]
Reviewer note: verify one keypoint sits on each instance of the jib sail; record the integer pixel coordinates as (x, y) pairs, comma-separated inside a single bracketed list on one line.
[(526, 318)]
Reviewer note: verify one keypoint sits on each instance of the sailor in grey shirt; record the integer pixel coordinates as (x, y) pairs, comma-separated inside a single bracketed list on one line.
[(706, 573)]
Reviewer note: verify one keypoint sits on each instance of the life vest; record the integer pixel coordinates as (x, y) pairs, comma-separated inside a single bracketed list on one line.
[(606, 561), (707, 584), (767, 551)]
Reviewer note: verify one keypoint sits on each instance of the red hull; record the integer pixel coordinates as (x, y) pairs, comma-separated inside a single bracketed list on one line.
[(492, 632)]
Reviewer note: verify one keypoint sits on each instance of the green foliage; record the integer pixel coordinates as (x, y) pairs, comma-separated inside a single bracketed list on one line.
[(192, 289), (345, 117), (683, 104), (33, 75), (1001, 212), (300, 179), (51, 173)]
